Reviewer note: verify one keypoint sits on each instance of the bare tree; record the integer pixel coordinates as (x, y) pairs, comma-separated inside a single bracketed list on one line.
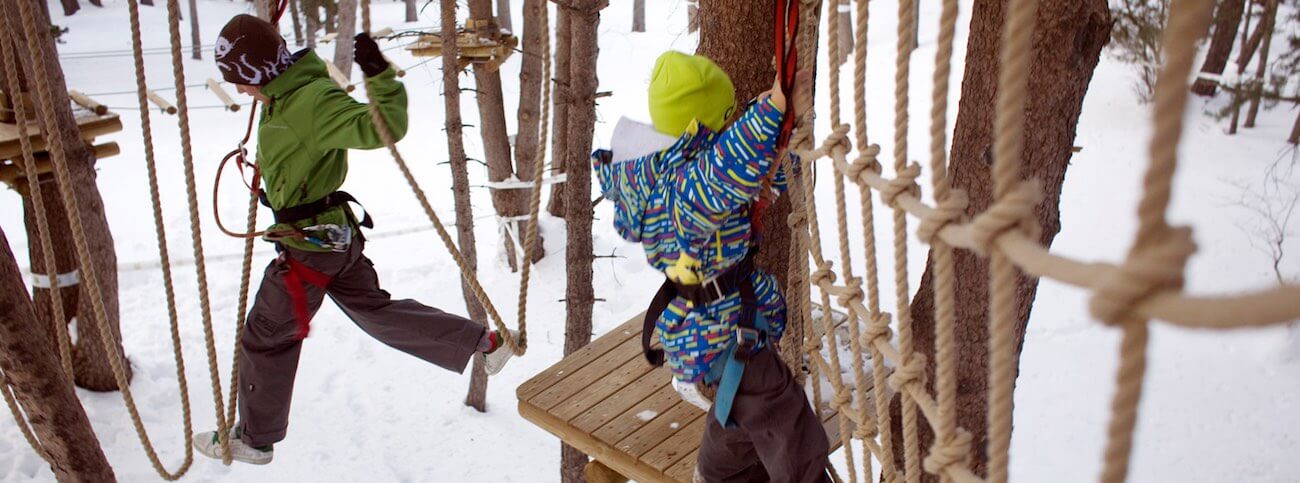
[(560, 110), (1267, 23), (65, 256), (460, 179), (195, 39), (504, 15), (297, 22), (347, 28), (29, 365), (580, 294), (90, 361), (1136, 39), (70, 7), (311, 9), (527, 137), (412, 15), (1067, 45), (1227, 18), (1294, 138), (1272, 206), (638, 15)]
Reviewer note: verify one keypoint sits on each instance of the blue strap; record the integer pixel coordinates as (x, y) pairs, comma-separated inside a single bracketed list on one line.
[(732, 372)]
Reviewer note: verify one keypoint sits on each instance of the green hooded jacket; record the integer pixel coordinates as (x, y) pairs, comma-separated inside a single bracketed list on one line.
[(305, 133)]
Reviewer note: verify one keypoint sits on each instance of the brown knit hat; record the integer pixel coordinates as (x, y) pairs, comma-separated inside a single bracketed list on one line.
[(250, 51)]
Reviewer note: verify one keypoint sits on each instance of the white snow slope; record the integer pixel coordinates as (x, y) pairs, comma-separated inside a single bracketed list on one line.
[(1218, 406)]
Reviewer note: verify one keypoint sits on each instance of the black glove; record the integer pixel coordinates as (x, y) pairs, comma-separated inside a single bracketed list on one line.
[(367, 55)]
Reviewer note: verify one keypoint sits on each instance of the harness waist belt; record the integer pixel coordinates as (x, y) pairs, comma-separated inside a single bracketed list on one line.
[(307, 210)]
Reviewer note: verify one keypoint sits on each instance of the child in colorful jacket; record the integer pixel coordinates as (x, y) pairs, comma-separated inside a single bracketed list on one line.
[(689, 204)]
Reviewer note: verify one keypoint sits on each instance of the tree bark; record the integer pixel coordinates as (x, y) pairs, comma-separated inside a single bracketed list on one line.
[(412, 14), (262, 8), (197, 41), (1067, 45), (70, 7), (65, 256), (1294, 138), (1227, 19), (580, 294), (331, 15), (311, 9), (638, 15), (30, 365), (1252, 43), (90, 362), (347, 27), (1261, 72), (504, 15), (846, 32), (560, 110), (460, 183)]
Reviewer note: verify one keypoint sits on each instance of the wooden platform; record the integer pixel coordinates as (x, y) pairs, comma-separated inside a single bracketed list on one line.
[(607, 401), (92, 125)]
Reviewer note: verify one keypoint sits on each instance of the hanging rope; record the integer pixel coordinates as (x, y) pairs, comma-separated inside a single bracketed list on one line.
[(516, 346)]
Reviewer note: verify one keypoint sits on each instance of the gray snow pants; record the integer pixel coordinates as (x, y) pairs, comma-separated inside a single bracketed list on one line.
[(777, 436), (269, 347)]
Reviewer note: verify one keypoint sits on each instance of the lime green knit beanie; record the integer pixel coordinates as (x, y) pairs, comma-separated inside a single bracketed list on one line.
[(686, 87)]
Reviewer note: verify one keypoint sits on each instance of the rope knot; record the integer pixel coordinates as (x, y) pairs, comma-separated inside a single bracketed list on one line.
[(851, 294), (837, 143), (903, 183), (823, 274), (866, 161), (950, 450), (843, 399), (1150, 268), (797, 219), (877, 329), (910, 372), (1014, 210), (949, 210)]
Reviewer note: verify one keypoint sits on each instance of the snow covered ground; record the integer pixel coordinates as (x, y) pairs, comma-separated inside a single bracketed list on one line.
[(1218, 406)]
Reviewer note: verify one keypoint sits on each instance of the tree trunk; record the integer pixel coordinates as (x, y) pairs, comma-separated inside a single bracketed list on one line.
[(65, 255), (496, 143), (1067, 44), (1261, 77), (262, 9), (297, 23), (96, 3), (846, 32), (638, 15), (412, 14), (1294, 138), (1227, 18), (331, 15), (1252, 43), (30, 365), (197, 41), (311, 9), (70, 7), (460, 183), (560, 110), (504, 15), (93, 371), (347, 27), (580, 294), (530, 86)]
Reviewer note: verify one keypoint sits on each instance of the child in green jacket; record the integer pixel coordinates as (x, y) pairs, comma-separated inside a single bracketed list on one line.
[(306, 128)]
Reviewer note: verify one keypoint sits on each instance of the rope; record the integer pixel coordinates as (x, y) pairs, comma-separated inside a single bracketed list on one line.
[(1157, 243), (902, 71), (531, 240), (519, 346), (951, 447), (56, 136)]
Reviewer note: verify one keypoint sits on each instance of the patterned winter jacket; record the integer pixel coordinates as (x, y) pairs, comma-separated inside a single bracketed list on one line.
[(695, 196)]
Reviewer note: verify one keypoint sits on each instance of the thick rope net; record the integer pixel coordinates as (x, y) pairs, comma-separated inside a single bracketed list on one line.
[(1147, 285)]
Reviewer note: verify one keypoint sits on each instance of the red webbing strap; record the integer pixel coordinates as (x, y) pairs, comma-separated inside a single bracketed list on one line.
[(298, 274), (787, 63)]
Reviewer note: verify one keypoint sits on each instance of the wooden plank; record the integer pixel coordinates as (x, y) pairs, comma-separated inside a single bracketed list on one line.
[(588, 374), (659, 428), (616, 417), (91, 126), (617, 460), (676, 447), (608, 384), (578, 359), (684, 470)]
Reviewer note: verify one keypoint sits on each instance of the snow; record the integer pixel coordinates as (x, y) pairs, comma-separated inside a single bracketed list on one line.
[(1218, 406), (646, 415)]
